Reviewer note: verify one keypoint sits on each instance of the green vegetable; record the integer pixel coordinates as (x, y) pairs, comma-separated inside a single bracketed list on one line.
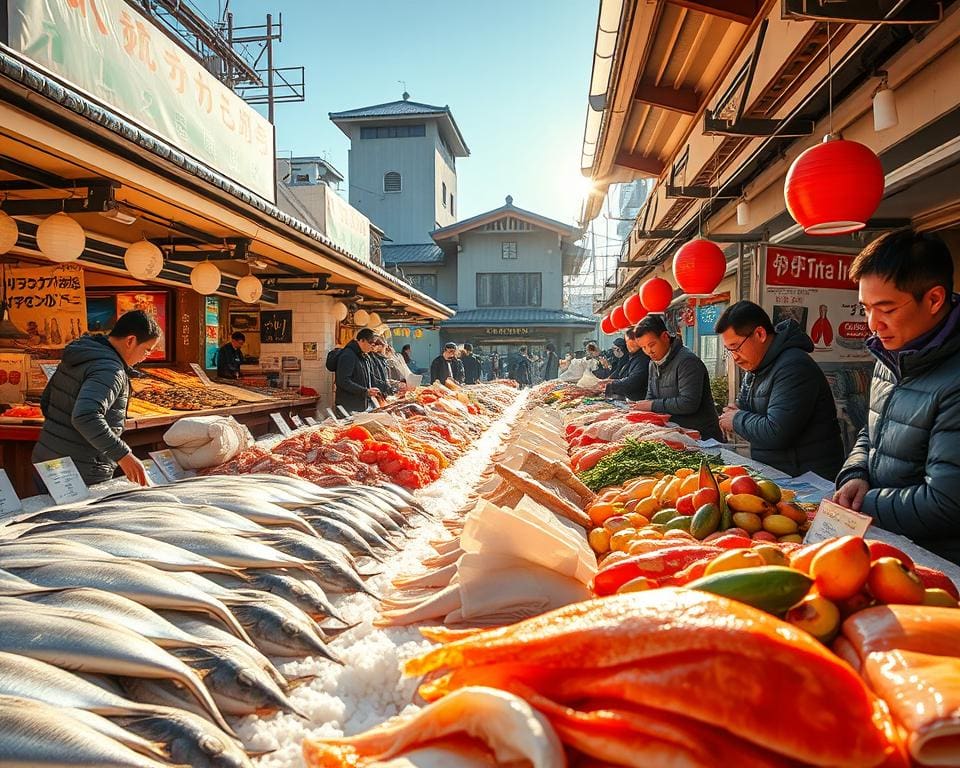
[(641, 457)]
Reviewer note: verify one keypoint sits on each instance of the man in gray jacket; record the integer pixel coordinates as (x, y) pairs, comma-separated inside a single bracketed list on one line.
[(85, 402), (678, 382), (785, 408), (904, 470)]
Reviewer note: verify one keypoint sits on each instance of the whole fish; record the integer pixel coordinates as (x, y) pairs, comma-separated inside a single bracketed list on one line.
[(334, 530), (385, 520), (190, 739), (365, 526), (236, 551), (277, 633), (54, 549), (34, 735), (61, 638), (246, 504), (11, 584), (186, 516), (308, 597)]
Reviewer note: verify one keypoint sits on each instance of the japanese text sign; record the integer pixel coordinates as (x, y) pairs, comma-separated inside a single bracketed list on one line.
[(48, 304)]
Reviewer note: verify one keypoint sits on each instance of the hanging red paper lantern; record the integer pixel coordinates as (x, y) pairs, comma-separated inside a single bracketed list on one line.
[(633, 309), (656, 294), (619, 319), (834, 188), (607, 326), (699, 267)]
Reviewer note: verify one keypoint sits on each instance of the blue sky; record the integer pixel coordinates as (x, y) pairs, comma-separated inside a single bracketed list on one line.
[(515, 74)]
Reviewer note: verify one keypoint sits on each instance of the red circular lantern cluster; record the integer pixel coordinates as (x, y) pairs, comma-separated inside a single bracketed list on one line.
[(634, 310), (619, 319), (699, 267), (606, 325), (834, 188), (656, 295)]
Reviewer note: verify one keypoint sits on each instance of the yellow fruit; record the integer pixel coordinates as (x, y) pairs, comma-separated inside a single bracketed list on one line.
[(641, 489), (841, 568), (637, 520), (610, 558), (749, 521), (676, 533), (772, 555), (684, 472), (617, 523), (791, 538), (779, 525), (747, 502), (689, 484), (671, 492), (621, 539), (649, 533), (939, 597), (657, 491), (599, 539), (639, 584), (734, 560), (647, 507), (792, 511), (817, 616)]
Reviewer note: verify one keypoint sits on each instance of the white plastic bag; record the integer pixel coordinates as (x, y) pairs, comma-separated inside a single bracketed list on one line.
[(198, 442)]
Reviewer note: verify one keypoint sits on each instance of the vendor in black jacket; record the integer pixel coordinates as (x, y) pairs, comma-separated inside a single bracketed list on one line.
[(630, 378), (230, 357), (354, 377), (785, 408), (679, 383), (446, 365), (85, 402), (904, 470)]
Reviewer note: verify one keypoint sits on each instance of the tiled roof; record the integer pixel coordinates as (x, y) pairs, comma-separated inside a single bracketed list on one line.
[(425, 253), (475, 222), (390, 109), (526, 316)]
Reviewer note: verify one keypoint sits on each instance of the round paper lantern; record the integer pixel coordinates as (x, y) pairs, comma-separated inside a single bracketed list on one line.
[(374, 320), (61, 238), (205, 278), (361, 317), (834, 188), (656, 295), (143, 260), (340, 311), (383, 330), (606, 325), (249, 289), (9, 232), (633, 309), (418, 334), (619, 319), (699, 267)]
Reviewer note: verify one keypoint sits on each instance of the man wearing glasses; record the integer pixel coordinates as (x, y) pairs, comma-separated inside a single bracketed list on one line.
[(904, 470), (785, 408)]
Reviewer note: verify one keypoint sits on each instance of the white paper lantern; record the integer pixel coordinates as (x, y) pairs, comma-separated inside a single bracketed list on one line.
[(743, 213), (205, 278), (9, 232), (374, 320), (249, 289), (361, 317), (884, 109), (61, 238), (340, 311), (143, 260)]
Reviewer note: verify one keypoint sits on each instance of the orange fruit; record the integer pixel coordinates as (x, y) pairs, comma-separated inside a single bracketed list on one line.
[(637, 520), (621, 539), (684, 472), (841, 568), (599, 539), (599, 511), (689, 484)]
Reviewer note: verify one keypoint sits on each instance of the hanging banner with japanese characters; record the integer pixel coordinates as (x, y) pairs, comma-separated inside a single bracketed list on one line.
[(48, 304), (814, 288), (120, 58)]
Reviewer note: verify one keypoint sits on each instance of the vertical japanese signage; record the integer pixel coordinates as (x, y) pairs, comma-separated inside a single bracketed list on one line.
[(48, 304), (211, 334), (815, 289), (119, 57)]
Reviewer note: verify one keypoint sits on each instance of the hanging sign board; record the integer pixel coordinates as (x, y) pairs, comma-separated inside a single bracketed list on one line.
[(9, 501), (833, 520), (63, 481), (284, 428), (169, 465), (48, 304), (276, 326)]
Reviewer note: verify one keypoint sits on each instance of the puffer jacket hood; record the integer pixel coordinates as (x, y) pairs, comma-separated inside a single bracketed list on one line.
[(90, 348), (789, 335)]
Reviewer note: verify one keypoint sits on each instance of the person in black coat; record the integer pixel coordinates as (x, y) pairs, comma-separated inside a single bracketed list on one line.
[(85, 402), (446, 366), (471, 365), (621, 359), (629, 379), (380, 368), (551, 363), (230, 357), (354, 376), (522, 369), (785, 408)]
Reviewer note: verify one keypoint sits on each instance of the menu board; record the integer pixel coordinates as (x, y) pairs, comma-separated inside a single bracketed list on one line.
[(284, 428), (276, 326), (48, 304)]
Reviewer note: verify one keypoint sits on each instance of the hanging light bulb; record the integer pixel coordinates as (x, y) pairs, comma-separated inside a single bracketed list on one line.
[(884, 107), (9, 232), (249, 289), (743, 213), (340, 311), (143, 260), (205, 278), (374, 320), (361, 317), (60, 238)]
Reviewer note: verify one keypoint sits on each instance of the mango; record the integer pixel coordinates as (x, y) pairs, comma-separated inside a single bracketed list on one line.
[(748, 521), (706, 520), (664, 516), (817, 616), (734, 560), (771, 554), (939, 597), (599, 539), (747, 502), (779, 525), (621, 539), (841, 568), (680, 523), (769, 491), (788, 509)]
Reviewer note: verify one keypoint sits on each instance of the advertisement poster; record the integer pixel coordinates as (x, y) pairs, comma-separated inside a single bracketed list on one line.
[(211, 340), (48, 304), (276, 326), (14, 376), (154, 304), (814, 288)]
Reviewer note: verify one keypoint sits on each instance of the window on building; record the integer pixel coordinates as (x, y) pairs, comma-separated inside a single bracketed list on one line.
[(301, 178), (452, 212), (444, 187), (508, 250), (508, 289), (392, 182), (426, 283), (394, 131)]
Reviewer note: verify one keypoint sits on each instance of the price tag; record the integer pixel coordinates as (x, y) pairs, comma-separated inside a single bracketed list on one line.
[(169, 465), (834, 520), (201, 374), (344, 411), (154, 473), (312, 421), (48, 369), (281, 424), (63, 481), (332, 415), (9, 501), (296, 420)]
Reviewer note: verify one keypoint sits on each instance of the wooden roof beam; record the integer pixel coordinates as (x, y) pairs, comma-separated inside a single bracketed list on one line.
[(650, 166), (682, 100), (739, 11)]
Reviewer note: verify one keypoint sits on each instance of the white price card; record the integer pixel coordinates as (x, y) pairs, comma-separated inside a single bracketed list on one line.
[(312, 421), (284, 428), (63, 481), (9, 501), (169, 465), (833, 520), (332, 415), (201, 374), (48, 369), (296, 420), (154, 473)]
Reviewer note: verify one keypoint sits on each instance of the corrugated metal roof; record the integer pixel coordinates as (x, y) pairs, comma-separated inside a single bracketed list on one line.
[(390, 109), (519, 316), (425, 253)]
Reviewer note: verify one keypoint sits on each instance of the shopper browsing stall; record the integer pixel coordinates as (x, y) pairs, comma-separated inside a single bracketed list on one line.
[(354, 375), (85, 402), (446, 365), (471, 365), (904, 470), (785, 408), (631, 375), (381, 377)]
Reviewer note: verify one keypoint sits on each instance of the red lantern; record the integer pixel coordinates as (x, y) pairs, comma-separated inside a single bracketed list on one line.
[(656, 295), (699, 267), (619, 319), (834, 188), (633, 309), (606, 326)]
